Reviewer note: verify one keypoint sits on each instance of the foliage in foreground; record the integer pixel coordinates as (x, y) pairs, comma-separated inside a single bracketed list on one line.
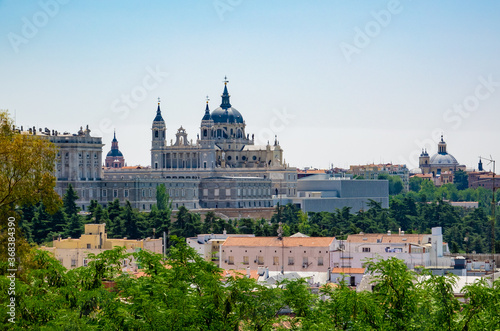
[(187, 293)]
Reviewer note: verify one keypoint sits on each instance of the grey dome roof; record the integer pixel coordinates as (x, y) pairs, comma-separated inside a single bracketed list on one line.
[(446, 159), (230, 115)]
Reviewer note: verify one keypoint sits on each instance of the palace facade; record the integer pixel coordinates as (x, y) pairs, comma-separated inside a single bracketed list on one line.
[(222, 168)]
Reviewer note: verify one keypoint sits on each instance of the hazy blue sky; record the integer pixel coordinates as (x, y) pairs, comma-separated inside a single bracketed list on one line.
[(342, 82)]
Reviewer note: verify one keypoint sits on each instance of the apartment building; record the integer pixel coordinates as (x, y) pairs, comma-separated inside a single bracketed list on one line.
[(277, 254), (426, 250)]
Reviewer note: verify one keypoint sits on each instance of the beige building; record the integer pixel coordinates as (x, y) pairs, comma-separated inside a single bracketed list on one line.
[(277, 254), (208, 245), (72, 253)]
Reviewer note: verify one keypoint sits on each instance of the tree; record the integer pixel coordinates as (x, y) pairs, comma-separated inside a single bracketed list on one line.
[(75, 227), (209, 222), (461, 179), (162, 198), (69, 201), (27, 171), (395, 183), (415, 183)]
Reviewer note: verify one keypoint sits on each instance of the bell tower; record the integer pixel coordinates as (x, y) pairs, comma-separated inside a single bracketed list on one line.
[(207, 127), (424, 162), (158, 139), (207, 141)]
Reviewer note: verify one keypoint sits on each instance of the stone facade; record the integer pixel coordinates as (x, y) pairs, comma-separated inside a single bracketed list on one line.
[(222, 159)]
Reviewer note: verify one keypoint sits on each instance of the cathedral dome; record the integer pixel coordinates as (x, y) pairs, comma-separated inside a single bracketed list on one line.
[(442, 157), (114, 153), (230, 115), (226, 113), (445, 159)]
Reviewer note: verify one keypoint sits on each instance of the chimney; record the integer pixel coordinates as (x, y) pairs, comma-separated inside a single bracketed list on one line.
[(266, 273), (248, 272), (389, 232)]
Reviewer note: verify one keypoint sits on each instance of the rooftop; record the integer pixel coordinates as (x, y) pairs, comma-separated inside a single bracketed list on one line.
[(275, 242), (386, 238)]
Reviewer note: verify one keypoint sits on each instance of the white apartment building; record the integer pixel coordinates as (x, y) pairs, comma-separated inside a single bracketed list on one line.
[(426, 250)]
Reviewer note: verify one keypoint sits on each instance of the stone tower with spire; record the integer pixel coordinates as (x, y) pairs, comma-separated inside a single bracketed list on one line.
[(115, 158), (158, 139), (207, 140)]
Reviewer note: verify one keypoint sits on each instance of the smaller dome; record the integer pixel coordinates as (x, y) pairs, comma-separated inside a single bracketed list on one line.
[(114, 152), (415, 171)]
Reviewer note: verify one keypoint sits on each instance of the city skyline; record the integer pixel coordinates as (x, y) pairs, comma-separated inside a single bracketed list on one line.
[(339, 83)]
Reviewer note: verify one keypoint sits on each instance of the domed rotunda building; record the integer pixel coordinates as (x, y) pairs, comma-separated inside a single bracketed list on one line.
[(440, 163)]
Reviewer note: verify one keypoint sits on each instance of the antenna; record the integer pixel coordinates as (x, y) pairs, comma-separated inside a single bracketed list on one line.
[(493, 214)]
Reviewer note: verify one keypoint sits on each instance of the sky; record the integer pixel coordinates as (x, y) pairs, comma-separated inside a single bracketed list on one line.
[(339, 82)]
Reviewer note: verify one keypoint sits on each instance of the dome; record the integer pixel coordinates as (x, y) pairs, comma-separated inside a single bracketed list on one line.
[(114, 153), (230, 115), (445, 159), (415, 171)]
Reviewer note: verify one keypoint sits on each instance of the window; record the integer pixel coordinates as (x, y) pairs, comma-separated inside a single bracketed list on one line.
[(366, 249), (245, 259), (125, 193), (305, 261), (89, 246), (85, 262), (73, 263), (115, 193), (260, 260), (276, 260), (320, 260), (103, 193), (230, 260), (290, 261)]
